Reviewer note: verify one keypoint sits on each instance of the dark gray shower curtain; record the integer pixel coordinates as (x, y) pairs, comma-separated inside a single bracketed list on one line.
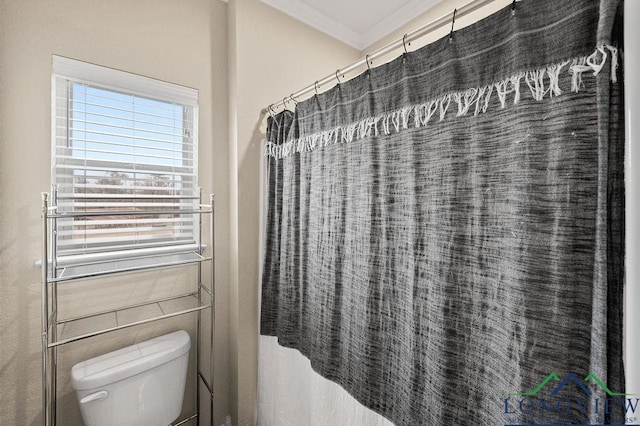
[(445, 231)]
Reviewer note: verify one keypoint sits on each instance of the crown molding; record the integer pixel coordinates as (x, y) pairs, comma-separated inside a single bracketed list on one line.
[(301, 11), (396, 20)]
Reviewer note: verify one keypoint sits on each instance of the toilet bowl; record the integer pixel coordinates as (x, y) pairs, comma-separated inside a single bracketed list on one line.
[(142, 384)]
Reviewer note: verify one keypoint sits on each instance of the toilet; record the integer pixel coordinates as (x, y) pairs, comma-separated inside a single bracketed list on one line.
[(142, 384)]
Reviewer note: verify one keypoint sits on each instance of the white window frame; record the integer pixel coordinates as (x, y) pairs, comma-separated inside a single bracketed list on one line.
[(121, 81)]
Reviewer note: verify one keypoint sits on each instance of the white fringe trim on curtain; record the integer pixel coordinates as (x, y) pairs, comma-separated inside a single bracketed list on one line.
[(475, 99)]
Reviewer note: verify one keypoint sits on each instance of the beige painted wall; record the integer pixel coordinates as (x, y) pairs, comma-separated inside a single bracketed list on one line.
[(180, 42), (271, 56)]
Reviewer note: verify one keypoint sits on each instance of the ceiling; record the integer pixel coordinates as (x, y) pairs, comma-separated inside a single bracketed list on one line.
[(358, 23)]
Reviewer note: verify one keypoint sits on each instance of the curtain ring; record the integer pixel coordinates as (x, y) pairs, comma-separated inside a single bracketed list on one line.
[(368, 66), (294, 100), (271, 111), (453, 21), (404, 43), (315, 86), (338, 78)]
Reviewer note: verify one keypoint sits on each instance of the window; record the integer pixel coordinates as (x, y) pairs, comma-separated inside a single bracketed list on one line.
[(122, 142)]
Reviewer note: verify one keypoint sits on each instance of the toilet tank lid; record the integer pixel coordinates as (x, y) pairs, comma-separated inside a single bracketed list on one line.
[(129, 361)]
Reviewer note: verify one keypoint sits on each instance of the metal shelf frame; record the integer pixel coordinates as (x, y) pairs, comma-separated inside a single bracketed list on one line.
[(202, 297)]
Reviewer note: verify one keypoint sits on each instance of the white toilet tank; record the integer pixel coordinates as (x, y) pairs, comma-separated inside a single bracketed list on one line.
[(142, 384)]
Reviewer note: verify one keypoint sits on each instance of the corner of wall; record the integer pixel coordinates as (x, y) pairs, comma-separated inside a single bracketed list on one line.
[(232, 85), (270, 56)]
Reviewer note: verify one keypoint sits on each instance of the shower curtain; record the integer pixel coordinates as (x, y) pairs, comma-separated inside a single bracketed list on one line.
[(444, 232)]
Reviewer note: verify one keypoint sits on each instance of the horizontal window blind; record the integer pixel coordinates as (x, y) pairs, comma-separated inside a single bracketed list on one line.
[(119, 150)]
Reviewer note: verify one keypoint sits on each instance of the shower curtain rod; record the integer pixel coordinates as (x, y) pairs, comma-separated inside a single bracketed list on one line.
[(436, 24)]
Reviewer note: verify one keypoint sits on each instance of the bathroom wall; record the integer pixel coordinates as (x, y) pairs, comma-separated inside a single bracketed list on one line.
[(183, 42), (271, 56)]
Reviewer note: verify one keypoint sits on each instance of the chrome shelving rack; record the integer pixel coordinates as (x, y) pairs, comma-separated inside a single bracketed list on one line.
[(53, 274)]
